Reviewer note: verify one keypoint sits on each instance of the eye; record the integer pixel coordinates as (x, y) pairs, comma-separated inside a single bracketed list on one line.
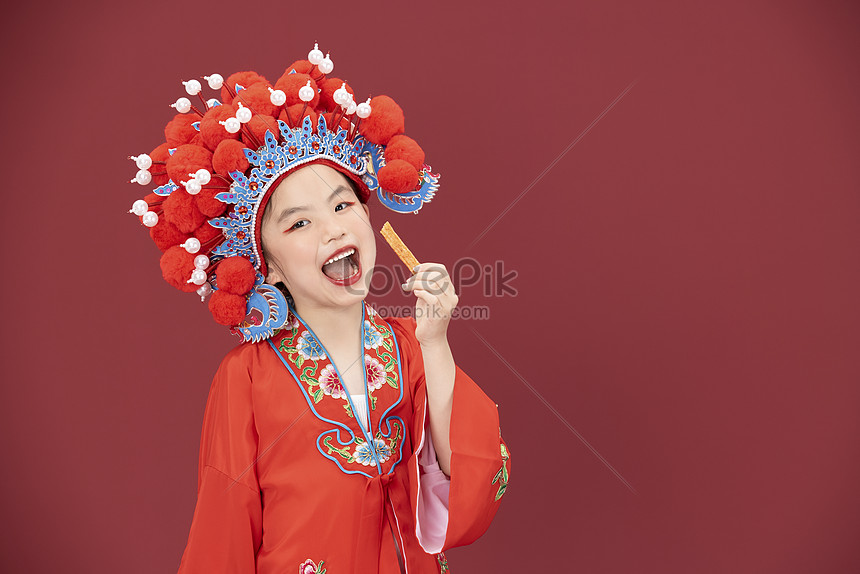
[(343, 205), (300, 223)]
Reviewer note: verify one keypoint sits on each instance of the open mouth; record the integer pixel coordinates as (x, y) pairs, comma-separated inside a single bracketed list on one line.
[(344, 267)]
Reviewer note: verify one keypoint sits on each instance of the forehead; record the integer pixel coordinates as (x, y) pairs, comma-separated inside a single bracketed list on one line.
[(310, 184)]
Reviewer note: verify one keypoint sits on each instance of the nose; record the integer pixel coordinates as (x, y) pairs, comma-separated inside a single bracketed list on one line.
[(333, 228)]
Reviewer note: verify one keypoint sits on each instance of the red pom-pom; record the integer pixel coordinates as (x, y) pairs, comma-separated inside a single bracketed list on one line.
[(385, 121), (229, 156), (291, 83), (258, 99), (329, 118), (235, 275), (188, 159), (300, 66), (206, 233), (166, 235), (159, 170), (179, 130), (405, 148), (398, 176), (207, 204), (181, 210), (176, 267), (296, 116), (258, 126), (328, 87), (227, 308), (213, 132), (244, 79)]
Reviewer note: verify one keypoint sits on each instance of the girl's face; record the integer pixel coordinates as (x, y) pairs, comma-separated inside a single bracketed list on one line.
[(312, 218)]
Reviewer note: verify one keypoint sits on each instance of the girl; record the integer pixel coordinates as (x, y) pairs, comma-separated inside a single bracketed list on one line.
[(334, 440)]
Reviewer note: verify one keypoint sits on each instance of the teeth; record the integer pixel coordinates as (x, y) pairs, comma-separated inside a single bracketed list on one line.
[(341, 256)]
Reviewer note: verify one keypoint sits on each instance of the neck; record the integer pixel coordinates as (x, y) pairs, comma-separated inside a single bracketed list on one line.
[(332, 325)]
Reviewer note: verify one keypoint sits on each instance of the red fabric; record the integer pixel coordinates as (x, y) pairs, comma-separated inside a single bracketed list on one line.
[(268, 500)]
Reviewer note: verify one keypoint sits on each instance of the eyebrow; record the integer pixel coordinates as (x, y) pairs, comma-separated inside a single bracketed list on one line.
[(291, 210)]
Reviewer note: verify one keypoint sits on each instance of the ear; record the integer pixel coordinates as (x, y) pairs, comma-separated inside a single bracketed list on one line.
[(274, 276)]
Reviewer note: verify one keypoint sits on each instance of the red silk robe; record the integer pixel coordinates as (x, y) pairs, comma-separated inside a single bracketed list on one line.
[(289, 481)]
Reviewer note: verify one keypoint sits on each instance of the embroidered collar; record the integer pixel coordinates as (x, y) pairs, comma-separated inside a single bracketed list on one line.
[(320, 381)]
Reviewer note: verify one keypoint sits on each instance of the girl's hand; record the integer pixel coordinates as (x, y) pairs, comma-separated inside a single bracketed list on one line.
[(436, 300)]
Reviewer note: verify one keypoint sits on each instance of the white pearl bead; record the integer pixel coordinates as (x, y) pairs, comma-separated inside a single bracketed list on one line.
[(143, 177), (139, 207), (201, 262), (315, 56), (232, 125), (193, 186), (277, 97), (326, 66), (212, 102), (142, 161), (306, 92), (203, 176), (150, 219), (198, 277), (243, 114), (193, 87), (341, 96), (350, 107), (362, 110), (215, 81), (191, 245), (204, 291), (182, 105)]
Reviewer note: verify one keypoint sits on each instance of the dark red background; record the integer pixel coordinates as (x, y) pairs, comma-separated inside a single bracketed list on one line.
[(688, 272)]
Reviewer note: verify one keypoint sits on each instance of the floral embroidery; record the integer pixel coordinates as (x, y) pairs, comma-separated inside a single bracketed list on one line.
[(363, 453), (330, 383), (308, 567), (375, 373), (308, 362), (309, 348), (502, 476), (372, 337), (443, 563)]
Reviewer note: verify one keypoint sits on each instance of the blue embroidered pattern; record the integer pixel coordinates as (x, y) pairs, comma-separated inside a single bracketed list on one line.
[(306, 359)]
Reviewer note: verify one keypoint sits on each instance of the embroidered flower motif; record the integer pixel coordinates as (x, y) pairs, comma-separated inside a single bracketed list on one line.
[(364, 455), (330, 383), (291, 322), (309, 348), (443, 563), (372, 337), (383, 451), (308, 567), (375, 373)]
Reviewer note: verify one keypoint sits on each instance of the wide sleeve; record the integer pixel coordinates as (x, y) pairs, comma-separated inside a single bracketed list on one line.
[(226, 529), (480, 460)]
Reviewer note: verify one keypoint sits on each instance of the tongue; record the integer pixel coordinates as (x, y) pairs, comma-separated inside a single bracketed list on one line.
[(339, 270)]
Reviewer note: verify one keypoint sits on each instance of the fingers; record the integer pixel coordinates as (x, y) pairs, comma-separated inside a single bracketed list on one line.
[(431, 277)]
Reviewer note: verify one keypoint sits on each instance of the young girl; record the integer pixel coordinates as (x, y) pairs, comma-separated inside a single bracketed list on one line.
[(334, 440)]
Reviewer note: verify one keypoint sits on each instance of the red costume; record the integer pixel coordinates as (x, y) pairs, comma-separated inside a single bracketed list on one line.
[(283, 484)]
